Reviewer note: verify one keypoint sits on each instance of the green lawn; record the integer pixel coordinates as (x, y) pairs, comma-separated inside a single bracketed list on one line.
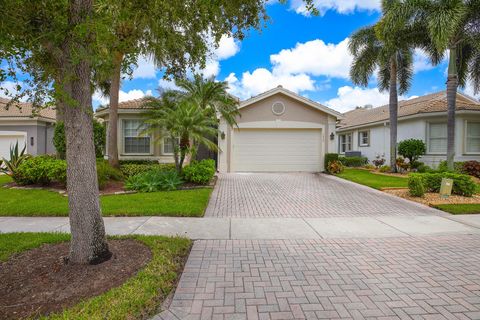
[(373, 180), (459, 208), (182, 203), (138, 297)]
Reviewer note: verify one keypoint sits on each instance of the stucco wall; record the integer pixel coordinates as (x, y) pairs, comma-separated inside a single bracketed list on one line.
[(414, 129), (41, 133)]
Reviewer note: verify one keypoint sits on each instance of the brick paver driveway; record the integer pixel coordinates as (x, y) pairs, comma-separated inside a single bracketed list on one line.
[(399, 278), (301, 195)]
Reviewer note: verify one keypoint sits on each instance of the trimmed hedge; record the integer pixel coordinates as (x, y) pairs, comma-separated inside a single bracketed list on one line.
[(463, 185), (132, 169), (416, 186), (200, 172), (329, 157), (353, 161)]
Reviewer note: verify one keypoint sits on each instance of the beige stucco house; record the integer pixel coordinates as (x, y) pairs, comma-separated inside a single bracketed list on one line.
[(277, 130)]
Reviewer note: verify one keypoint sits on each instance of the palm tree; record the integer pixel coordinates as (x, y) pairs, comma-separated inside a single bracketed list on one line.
[(453, 26), (394, 63), (183, 121)]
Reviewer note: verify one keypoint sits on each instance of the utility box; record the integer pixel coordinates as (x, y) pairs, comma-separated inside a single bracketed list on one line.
[(446, 188)]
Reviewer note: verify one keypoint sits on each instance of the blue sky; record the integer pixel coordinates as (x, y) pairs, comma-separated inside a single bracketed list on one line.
[(306, 54)]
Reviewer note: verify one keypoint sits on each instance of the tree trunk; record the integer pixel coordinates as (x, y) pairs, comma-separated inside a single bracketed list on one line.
[(393, 109), (88, 244), (113, 111), (452, 85)]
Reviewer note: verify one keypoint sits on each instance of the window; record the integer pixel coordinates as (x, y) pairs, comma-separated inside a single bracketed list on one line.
[(167, 146), (345, 141), (364, 138), (134, 141), (437, 138), (473, 137)]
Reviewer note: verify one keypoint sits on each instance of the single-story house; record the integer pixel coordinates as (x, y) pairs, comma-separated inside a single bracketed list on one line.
[(132, 144), (18, 123), (367, 130), (278, 130)]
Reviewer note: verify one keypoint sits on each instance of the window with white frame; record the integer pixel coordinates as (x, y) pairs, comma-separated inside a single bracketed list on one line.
[(167, 145), (437, 137), (472, 137), (134, 141), (364, 138), (345, 141)]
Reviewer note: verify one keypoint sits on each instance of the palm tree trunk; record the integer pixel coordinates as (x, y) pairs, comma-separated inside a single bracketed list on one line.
[(452, 85), (393, 109), (113, 111), (88, 244)]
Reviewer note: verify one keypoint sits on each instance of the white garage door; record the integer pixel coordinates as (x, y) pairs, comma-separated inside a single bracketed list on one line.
[(273, 150), (7, 139)]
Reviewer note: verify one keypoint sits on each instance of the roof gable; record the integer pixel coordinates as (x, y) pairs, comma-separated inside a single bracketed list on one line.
[(25, 110)]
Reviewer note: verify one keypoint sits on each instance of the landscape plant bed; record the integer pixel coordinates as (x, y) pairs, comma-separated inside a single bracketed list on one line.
[(433, 199), (131, 285), (373, 180)]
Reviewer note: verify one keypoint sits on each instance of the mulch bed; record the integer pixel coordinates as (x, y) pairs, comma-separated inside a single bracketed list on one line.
[(432, 199), (37, 282)]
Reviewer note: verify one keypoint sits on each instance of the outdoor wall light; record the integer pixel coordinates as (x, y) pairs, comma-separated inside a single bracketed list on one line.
[(332, 136), (32, 141), (222, 135)]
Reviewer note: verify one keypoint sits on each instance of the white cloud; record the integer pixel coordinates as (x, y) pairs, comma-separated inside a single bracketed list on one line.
[(123, 96), (227, 47), (212, 68), (350, 97), (262, 80), (145, 69), (8, 89), (469, 90), (421, 61), (340, 6), (314, 57), (165, 84)]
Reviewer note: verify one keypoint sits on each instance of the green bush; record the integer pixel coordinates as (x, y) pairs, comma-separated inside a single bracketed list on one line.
[(353, 161), (416, 186), (99, 139), (412, 149), (41, 170), (105, 173), (457, 167), (200, 172), (154, 180), (132, 169), (385, 169), (422, 168), (123, 162), (335, 167), (329, 157), (463, 185)]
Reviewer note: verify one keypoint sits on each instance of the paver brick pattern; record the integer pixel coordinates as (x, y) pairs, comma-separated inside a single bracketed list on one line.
[(301, 195), (395, 278)]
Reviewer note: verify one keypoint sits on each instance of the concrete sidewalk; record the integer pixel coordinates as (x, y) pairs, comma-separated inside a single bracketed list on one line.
[(263, 228)]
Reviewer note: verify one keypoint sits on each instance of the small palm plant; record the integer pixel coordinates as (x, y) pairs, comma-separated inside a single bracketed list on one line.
[(9, 167)]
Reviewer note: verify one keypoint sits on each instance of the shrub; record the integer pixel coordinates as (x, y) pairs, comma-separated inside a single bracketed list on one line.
[(412, 149), (123, 162), (378, 162), (132, 169), (105, 173), (330, 157), (457, 167), (385, 169), (462, 184), (41, 170), (416, 164), (416, 186), (99, 138), (353, 161), (200, 172), (472, 168), (154, 180), (369, 166), (401, 164), (335, 167), (422, 168), (17, 156)]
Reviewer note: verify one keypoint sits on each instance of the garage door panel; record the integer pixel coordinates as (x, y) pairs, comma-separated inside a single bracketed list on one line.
[(277, 150), (7, 140)]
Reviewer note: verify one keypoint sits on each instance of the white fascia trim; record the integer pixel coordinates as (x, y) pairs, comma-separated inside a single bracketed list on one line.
[(13, 133), (104, 112), (292, 95), (414, 116), (280, 125)]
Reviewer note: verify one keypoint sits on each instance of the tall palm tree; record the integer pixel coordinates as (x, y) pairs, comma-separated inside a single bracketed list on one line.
[(392, 60), (183, 121), (453, 26)]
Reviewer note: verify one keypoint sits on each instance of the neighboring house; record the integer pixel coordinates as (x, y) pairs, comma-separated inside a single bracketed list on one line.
[(277, 131), (367, 129), (132, 144), (20, 124)]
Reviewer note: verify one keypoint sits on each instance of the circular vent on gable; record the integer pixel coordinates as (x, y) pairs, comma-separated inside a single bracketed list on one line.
[(278, 108)]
